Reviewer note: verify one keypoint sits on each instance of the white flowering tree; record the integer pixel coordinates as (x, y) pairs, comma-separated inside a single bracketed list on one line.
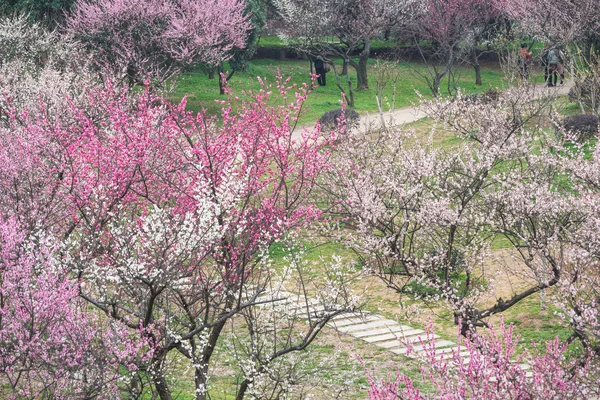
[(341, 28), (424, 218)]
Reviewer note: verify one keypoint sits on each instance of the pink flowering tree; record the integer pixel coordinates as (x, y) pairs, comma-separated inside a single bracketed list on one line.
[(452, 31), (140, 39), (51, 346), (487, 367), (166, 217)]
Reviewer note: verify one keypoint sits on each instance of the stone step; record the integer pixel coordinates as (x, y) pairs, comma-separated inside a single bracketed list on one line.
[(339, 323), (353, 315), (268, 300), (368, 326), (313, 307), (400, 334), (439, 353), (448, 353), (464, 355), (419, 348), (374, 329), (298, 309), (313, 314), (295, 303), (389, 329), (392, 344)]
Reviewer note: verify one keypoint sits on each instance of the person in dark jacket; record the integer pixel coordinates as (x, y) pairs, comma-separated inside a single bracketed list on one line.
[(553, 62), (544, 60), (320, 70)]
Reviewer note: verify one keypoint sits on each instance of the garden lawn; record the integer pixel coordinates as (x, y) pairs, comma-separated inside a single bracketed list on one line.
[(202, 92)]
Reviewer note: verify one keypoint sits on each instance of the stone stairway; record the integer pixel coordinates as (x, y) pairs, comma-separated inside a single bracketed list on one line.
[(390, 335), (373, 329)]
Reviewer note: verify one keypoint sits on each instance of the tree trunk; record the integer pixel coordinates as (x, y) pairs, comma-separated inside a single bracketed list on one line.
[(221, 86), (437, 81), (160, 384), (200, 380), (477, 74), (361, 71), (242, 390), (345, 67), (201, 372), (475, 63), (350, 98), (224, 79)]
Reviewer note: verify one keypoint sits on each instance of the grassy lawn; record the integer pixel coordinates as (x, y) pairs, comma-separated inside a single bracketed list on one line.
[(202, 92)]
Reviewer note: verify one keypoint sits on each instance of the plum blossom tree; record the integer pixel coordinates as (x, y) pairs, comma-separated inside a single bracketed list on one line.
[(268, 352), (166, 216), (50, 13), (579, 298), (557, 24), (255, 9), (50, 346), (487, 367), (156, 39), (425, 216), (341, 28), (452, 31), (30, 43)]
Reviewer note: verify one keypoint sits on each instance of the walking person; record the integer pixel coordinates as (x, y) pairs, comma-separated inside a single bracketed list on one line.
[(561, 67), (320, 70), (544, 60), (525, 60), (553, 61)]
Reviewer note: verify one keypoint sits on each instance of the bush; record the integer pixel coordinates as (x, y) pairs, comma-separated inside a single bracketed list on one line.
[(489, 96), (330, 119), (582, 126), (586, 91)]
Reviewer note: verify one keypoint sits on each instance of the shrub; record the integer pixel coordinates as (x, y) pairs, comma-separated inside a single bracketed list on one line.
[(586, 91), (329, 120), (488, 97), (582, 126)]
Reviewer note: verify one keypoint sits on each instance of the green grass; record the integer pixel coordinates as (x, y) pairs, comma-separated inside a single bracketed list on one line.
[(202, 92), (270, 41), (274, 41), (537, 325)]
